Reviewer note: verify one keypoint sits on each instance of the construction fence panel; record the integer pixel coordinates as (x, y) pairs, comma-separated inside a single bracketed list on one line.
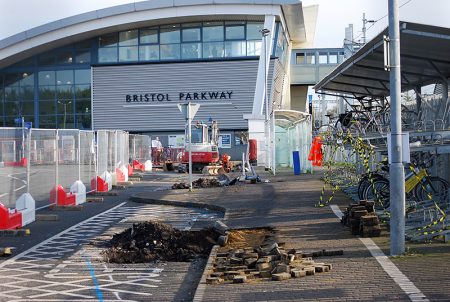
[(43, 158), (68, 158), (13, 168), (87, 159), (122, 148), (172, 154), (102, 151), (140, 148), (112, 151)]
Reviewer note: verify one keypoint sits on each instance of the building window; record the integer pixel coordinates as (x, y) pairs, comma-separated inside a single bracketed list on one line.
[(235, 49), (109, 40), (235, 32), (149, 53), (213, 50), (300, 58), (254, 48), (170, 34), (333, 58), (170, 52), (127, 54), (107, 55), (213, 31), (311, 59), (323, 58), (191, 34), (148, 36), (128, 38), (191, 50)]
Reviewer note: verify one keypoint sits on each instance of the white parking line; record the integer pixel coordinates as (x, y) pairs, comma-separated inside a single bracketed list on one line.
[(388, 266)]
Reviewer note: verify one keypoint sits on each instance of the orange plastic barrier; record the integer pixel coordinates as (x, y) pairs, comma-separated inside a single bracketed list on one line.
[(64, 199)]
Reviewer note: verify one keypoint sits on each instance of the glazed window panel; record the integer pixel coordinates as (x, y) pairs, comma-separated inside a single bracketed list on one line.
[(148, 36), (84, 121), (191, 34), (65, 121), (323, 58), (128, 38), (213, 50), (83, 106), (47, 108), (47, 78), (82, 76), (13, 108), (47, 59), (253, 30), (64, 77), (109, 40), (27, 93), (64, 92), (191, 50), (83, 56), (64, 57), (12, 94), (212, 33), (149, 53), (254, 48), (27, 78), (11, 79), (170, 34), (65, 106), (128, 54), (28, 108), (333, 58), (107, 55), (235, 49), (46, 92), (82, 91), (235, 32), (170, 52)]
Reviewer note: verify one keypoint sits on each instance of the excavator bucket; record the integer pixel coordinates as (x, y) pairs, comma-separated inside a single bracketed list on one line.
[(213, 170)]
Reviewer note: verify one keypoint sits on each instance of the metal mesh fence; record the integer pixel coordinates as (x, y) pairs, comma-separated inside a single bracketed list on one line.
[(87, 159), (67, 166), (13, 170), (112, 150), (102, 151), (43, 155), (122, 148), (140, 148)]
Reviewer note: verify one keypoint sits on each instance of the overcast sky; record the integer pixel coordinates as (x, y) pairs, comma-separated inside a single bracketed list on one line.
[(334, 15)]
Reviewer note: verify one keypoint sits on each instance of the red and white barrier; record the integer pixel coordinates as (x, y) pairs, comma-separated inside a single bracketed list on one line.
[(23, 214), (79, 189), (138, 166), (148, 166), (21, 163), (104, 182), (60, 197)]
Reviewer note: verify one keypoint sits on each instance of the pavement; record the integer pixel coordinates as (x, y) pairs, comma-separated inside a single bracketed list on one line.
[(286, 203)]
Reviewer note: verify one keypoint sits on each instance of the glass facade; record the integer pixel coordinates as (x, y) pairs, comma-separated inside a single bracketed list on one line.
[(53, 89)]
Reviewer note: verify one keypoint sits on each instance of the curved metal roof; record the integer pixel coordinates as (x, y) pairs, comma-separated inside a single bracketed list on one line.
[(424, 56), (136, 7)]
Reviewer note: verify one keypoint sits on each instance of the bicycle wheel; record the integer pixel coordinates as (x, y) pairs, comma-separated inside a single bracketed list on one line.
[(378, 192), (434, 187), (365, 182)]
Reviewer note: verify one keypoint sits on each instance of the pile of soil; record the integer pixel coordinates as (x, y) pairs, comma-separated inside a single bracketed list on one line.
[(151, 241), (199, 183)]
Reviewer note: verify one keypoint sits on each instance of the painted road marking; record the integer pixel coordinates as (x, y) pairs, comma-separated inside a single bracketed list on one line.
[(388, 266), (56, 269)]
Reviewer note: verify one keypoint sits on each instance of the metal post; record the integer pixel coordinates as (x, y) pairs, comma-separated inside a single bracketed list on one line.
[(265, 32), (28, 159), (57, 163), (273, 143), (190, 145), (397, 174), (23, 138), (79, 155)]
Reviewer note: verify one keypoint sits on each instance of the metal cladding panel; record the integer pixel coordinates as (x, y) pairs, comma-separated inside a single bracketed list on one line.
[(112, 84)]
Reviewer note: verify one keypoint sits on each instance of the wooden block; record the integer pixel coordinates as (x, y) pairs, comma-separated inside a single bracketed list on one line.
[(281, 276), (47, 217), (297, 273), (214, 280), (310, 270), (359, 214), (94, 199), (239, 279)]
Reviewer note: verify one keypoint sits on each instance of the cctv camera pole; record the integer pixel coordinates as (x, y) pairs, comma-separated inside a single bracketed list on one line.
[(397, 173)]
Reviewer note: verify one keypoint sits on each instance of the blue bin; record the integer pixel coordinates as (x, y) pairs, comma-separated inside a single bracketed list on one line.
[(296, 156)]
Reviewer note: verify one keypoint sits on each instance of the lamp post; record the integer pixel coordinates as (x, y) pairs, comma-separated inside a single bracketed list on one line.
[(65, 110), (265, 32)]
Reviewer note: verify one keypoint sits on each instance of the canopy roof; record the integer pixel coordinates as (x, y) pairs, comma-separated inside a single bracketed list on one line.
[(424, 60), (288, 118)]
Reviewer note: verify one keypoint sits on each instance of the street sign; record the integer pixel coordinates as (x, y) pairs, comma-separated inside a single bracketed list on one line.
[(189, 110)]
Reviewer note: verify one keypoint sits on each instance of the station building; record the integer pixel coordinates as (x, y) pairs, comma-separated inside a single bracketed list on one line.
[(127, 67)]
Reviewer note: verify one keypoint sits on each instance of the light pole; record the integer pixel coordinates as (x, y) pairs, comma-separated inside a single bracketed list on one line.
[(65, 110), (265, 32)]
